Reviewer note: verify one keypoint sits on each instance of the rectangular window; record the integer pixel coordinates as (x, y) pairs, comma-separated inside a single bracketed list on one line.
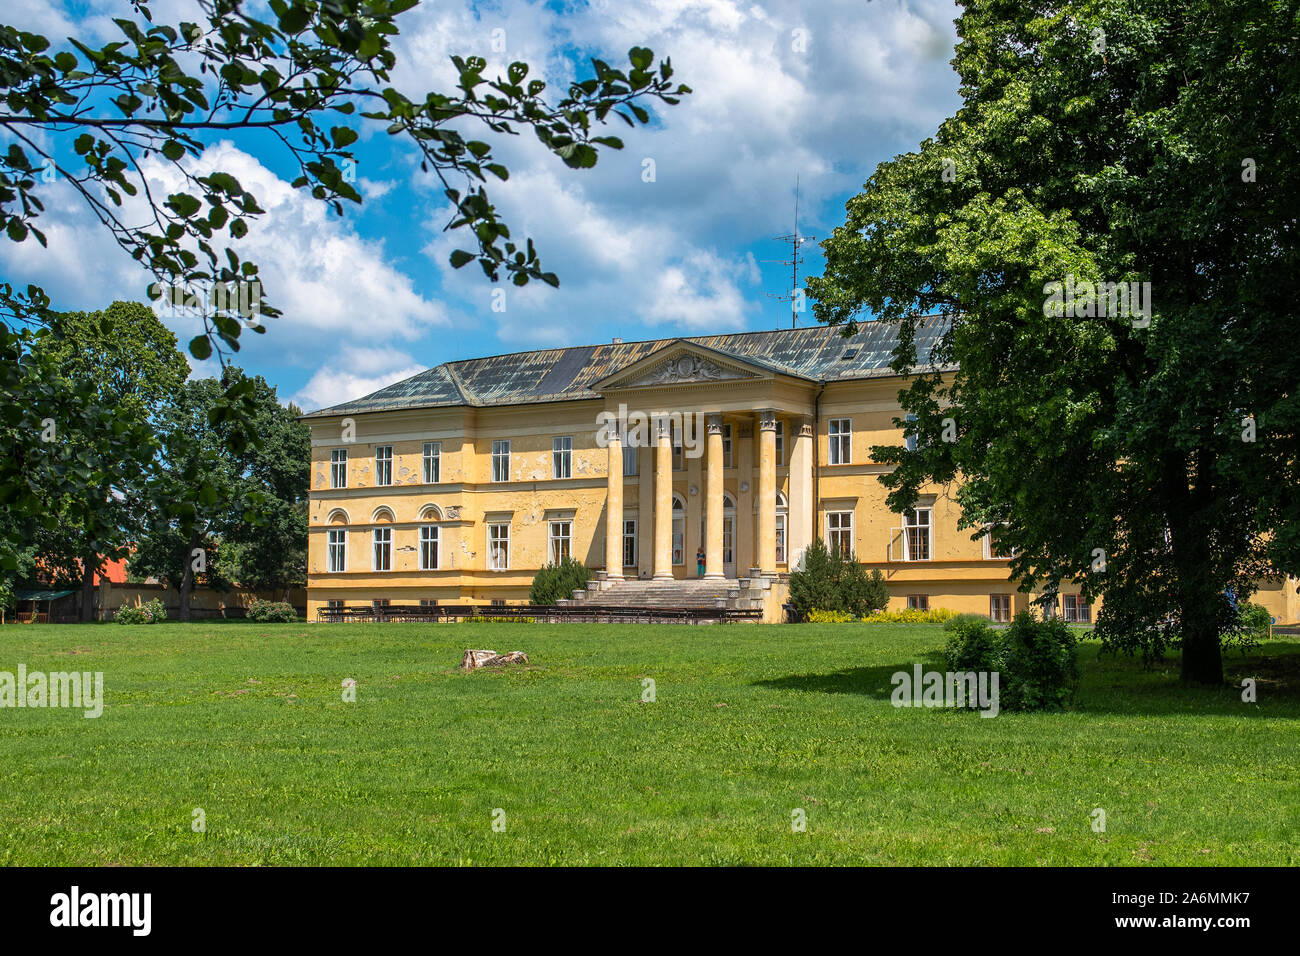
[(727, 460), (501, 461), (338, 550), (334, 604), (993, 551), (918, 602), (917, 534), (629, 461), (561, 540), (910, 440), (1000, 608), (499, 546), (840, 432), (383, 549), (379, 602), (339, 468), (562, 457), (679, 536), (429, 547), (629, 543), (780, 443), (679, 455), (780, 539), (497, 602), (383, 464), (1076, 610), (428, 602), (432, 462), (839, 531)]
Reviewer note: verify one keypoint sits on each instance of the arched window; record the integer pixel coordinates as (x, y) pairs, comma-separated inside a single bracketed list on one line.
[(728, 530), (338, 516), (382, 515), (431, 513)]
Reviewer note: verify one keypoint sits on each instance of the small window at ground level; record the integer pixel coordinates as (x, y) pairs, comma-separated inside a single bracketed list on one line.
[(918, 602), (1000, 607)]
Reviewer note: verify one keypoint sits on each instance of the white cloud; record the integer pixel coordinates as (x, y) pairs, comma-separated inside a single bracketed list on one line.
[(346, 377)]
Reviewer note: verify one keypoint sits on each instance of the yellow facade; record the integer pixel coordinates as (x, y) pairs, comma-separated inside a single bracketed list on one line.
[(752, 435)]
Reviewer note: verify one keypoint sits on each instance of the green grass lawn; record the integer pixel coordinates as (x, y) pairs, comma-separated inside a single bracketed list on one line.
[(247, 722)]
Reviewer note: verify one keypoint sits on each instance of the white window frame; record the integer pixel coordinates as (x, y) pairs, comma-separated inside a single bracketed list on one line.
[(780, 442), (339, 468), (498, 546), (1072, 614), (909, 441), (677, 443), (780, 537), (501, 459), (562, 456), (432, 462), (559, 540), (336, 554), (997, 613), (728, 447), (631, 467), (383, 465), (382, 550), (430, 534), (845, 520), (918, 602), (839, 435), (629, 539), (908, 527)]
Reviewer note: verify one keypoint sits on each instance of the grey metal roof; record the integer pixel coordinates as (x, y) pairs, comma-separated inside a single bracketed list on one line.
[(820, 354)]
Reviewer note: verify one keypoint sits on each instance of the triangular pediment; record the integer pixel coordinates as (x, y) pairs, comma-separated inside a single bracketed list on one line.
[(681, 363)]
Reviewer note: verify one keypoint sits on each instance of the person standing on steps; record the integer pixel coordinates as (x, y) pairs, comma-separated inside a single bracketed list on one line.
[(699, 561)]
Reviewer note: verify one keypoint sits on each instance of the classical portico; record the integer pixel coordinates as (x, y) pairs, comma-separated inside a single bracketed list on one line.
[(728, 446)]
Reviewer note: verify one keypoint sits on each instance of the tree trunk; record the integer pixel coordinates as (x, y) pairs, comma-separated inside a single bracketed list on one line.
[(88, 568), (1199, 595), (187, 578)]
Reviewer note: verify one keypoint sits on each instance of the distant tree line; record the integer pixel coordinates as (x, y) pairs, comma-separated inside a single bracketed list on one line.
[(135, 459)]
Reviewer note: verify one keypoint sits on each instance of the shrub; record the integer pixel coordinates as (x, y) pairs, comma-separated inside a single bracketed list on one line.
[(816, 616), (480, 619), (272, 612), (831, 581), (1254, 623), (972, 645), (1040, 667), (556, 581), (151, 612), (936, 615)]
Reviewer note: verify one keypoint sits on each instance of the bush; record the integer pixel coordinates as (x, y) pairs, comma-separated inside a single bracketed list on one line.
[(151, 612), (1040, 667), (272, 612), (557, 581), (972, 645), (1254, 623), (936, 615), (480, 619), (831, 581), (816, 616)]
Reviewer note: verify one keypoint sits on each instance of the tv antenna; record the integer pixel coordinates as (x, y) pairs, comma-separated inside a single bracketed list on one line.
[(796, 240)]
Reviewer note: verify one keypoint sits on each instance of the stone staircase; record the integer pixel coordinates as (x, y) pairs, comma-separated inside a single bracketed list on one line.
[(743, 594)]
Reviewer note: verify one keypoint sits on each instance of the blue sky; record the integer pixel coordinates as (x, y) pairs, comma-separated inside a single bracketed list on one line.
[(824, 89)]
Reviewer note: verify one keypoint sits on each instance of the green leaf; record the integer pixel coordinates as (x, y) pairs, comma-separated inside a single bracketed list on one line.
[(460, 257), (200, 347)]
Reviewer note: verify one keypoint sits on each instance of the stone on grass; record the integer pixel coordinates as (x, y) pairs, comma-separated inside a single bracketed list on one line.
[(476, 659)]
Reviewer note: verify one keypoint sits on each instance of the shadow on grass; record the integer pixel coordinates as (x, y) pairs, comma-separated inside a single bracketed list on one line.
[(873, 682), (1114, 683)]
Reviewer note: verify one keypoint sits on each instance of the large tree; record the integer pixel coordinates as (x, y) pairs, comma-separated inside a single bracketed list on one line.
[(1150, 458), (129, 361)]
